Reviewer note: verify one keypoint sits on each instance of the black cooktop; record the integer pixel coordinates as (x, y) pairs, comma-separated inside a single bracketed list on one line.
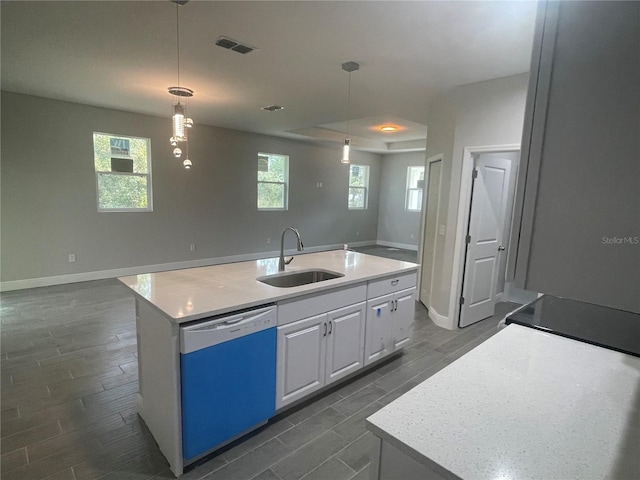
[(602, 326)]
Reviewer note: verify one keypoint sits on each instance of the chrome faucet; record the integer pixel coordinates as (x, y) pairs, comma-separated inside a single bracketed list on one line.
[(282, 262)]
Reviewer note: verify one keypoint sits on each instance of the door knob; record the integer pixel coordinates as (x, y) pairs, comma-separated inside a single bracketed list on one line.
[(500, 248)]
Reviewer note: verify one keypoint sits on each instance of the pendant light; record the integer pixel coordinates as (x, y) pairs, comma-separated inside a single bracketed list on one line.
[(348, 67), (181, 122)]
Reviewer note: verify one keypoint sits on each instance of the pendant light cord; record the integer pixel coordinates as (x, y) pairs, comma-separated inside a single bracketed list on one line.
[(178, 39), (348, 103)]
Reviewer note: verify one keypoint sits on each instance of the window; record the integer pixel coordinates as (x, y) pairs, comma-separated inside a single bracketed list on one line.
[(415, 186), (123, 173), (273, 181), (358, 187)]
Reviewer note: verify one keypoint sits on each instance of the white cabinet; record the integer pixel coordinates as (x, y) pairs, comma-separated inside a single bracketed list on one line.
[(325, 337), (389, 324), (403, 314), (390, 312), (301, 354), (320, 340), (345, 341), (316, 351), (378, 338)]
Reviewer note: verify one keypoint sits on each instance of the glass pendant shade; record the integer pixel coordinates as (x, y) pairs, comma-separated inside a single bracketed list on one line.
[(177, 152), (178, 121), (187, 163), (345, 151)]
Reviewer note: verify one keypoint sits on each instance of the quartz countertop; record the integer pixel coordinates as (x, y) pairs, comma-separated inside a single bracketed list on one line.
[(524, 404), (195, 293)]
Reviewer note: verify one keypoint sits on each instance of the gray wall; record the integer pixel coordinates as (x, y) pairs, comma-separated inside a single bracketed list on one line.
[(585, 241), (396, 226), (49, 194)]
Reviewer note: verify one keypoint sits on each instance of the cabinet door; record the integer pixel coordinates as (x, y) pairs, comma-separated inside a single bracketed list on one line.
[(402, 318), (378, 330), (345, 341), (301, 358)]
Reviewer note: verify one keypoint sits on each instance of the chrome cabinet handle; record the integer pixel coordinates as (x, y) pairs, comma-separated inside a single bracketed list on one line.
[(330, 327), (325, 329), (500, 248), (395, 282)]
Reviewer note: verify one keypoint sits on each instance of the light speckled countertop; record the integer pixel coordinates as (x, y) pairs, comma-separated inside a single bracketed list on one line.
[(194, 293), (523, 405)]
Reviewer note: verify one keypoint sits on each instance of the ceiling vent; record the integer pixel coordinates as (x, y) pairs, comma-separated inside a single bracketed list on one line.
[(273, 108), (230, 44)]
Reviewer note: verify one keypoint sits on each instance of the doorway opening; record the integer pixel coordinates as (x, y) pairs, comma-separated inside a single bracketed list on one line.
[(431, 218), (484, 227)]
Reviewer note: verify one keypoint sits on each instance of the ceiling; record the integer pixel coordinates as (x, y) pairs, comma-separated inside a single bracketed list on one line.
[(122, 55)]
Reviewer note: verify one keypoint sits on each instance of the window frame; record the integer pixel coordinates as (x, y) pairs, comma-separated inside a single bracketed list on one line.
[(365, 188), (410, 189), (285, 206), (149, 207)]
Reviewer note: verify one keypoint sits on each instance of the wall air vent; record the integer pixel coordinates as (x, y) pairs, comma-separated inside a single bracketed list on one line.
[(230, 44), (273, 108)]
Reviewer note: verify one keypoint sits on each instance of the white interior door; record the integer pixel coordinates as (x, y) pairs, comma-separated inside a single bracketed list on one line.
[(485, 237)]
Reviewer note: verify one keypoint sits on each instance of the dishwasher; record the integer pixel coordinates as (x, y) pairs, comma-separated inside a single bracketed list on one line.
[(228, 378)]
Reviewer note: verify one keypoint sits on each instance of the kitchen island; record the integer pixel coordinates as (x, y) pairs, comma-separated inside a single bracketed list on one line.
[(306, 337), (525, 404)]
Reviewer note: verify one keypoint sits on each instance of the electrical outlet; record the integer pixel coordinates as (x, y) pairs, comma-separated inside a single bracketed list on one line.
[(357, 234), (192, 247), (442, 229), (72, 258), (268, 241)]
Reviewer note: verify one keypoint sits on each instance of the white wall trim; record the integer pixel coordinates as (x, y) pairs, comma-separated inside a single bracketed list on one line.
[(365, 243), (464, 205), (439, 320), (404, 246), (123, 272)]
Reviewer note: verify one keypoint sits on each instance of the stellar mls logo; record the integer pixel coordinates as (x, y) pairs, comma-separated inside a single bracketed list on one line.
[(620, 240)]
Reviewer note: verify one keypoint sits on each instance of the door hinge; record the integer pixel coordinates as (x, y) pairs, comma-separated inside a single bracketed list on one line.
[(475, 173), (461, 300), (468, 239)]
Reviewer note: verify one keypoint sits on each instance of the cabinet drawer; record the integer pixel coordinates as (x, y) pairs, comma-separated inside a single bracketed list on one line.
[(315, 304), (391, 284)]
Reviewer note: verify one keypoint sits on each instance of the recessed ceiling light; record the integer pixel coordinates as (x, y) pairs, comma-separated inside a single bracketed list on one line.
[(389, 129), (273, 108)]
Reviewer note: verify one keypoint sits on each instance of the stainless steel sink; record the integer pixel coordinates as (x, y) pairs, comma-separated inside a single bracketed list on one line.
[(301, 277)]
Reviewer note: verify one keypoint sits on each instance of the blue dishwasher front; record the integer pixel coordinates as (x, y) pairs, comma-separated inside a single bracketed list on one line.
[(228, 379)]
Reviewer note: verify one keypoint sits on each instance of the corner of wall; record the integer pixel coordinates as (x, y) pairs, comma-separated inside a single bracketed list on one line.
[(440, 320)]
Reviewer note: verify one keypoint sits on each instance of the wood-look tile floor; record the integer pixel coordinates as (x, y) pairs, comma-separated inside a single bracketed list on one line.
[(69, 383)]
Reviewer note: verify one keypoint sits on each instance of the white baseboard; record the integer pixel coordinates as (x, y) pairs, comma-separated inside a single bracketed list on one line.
[(439, 320), (123, 272), (404, 246), (365, 243)]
